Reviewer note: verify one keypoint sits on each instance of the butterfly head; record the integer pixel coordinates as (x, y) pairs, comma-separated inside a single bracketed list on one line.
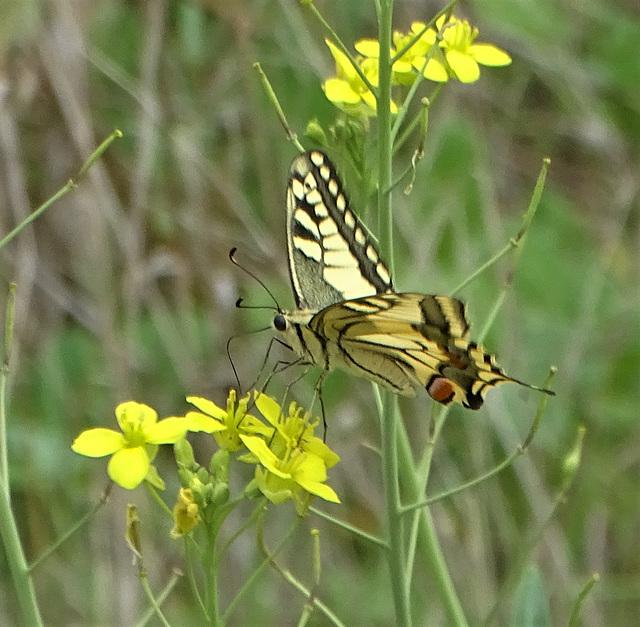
[(293, 329)]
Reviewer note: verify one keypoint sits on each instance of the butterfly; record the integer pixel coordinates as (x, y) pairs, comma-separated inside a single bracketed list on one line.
[(348, 315)]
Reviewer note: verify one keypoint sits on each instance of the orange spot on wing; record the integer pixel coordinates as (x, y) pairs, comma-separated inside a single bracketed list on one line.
[(441, 390)]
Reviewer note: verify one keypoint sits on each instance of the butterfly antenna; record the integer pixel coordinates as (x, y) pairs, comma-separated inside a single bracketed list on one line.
[(232, 258)]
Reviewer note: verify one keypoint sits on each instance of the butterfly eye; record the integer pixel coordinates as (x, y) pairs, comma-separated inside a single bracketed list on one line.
[(280, 323)]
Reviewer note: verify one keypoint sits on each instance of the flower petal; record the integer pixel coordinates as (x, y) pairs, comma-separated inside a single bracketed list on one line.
[(208, 407), (266, 456), (250, 424), (167, 431), (320, 489), (199, 422), (317, 447), (368, 48), (465, 68), (488, 54), (428, 37), (98, 442), (129, 466), (370, 100), (338, 90), (309, 467), (344, 66), (131, 414), (401, 67), (434, 71), (269, 408)]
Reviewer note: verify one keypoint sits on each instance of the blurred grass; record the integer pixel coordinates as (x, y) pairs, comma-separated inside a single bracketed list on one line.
[(125, 289)]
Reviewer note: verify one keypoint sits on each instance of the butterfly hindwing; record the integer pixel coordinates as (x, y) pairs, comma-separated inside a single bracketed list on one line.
[(405, 341)]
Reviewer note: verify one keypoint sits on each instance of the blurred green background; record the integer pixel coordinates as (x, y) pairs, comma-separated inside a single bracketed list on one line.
[(125, 290)]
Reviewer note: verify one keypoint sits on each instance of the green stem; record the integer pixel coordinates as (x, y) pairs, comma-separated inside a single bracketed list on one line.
[(211, 566), (390, 419), (385, 213), (155, 604), (191, 547), (65, 536), (158, 499), (542, 403), (20, 573), (514, 242), (469, 484), (148, 615), (423, 534), (273, 99), (427, 540), (347, 527), (289, 577), (245, 525), (269, 560), (71, 184), (571, 465), (418, 119), (10, 317), (574, 620)]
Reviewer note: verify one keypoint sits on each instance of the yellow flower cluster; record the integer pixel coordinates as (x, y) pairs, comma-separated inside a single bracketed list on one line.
[(447, 50), (291, 463)]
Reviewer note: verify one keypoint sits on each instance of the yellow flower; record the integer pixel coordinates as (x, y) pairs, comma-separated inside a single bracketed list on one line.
[(298, 476), (294, 430), (186, 513), (225, 424), (347, 90), (293, 465), (132, 450), (463, 55), (414, 58)]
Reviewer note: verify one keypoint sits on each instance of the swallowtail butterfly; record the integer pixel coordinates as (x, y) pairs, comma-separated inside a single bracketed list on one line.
[(349, 316)]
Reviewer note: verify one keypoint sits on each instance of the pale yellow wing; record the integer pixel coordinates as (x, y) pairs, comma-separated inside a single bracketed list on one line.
[(405, 341)]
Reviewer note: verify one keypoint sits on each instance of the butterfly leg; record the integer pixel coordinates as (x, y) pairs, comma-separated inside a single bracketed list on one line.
[(318, 392)]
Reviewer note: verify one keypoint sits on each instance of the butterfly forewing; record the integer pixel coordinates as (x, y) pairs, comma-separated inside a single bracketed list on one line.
[(331, 258)]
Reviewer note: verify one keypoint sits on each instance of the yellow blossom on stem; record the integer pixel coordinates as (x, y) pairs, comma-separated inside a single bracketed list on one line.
[(347, 90), (225, 424), (414, 58), (133, 450), (298, 475), (462, 54), (294, 430)]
